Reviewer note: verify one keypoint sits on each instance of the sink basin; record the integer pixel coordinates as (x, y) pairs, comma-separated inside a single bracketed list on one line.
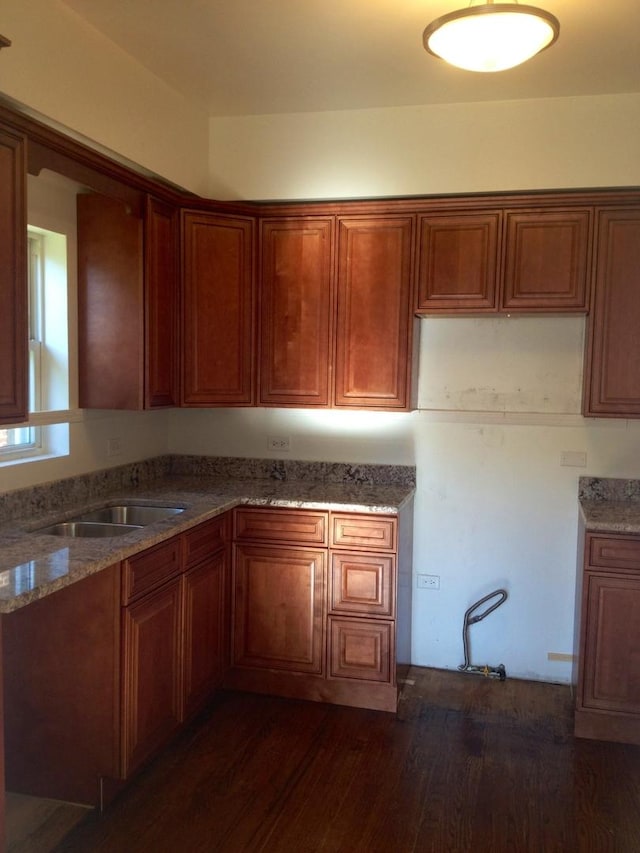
[(137, 514), (111, 520), (88, 529)]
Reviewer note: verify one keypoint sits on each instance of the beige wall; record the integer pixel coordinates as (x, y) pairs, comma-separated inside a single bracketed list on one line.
[(458, 148), (65, 70)]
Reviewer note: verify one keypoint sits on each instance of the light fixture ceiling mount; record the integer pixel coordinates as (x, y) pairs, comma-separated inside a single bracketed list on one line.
[(492, 36)]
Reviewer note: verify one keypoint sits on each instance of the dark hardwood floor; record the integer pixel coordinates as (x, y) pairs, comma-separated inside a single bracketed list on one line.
[(468, 764)]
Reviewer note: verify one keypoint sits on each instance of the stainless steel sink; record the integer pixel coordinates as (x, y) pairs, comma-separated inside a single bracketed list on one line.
[(110, 520), (88, 529), (137, 514)]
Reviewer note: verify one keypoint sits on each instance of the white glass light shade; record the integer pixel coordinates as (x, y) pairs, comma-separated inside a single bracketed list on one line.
[(491, 37)]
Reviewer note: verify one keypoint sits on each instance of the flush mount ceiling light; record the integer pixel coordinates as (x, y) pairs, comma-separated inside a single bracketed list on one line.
[(4, 42), (491, 36)]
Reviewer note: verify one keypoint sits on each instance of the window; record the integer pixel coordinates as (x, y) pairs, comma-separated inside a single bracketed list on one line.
[(48, 348)]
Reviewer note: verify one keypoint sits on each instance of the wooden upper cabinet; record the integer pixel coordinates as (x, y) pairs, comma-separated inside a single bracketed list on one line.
[(374, 318), (547, 255), (458, 262), (110, 305), (296, 311), (162, 304), (13, 279), (612, 377), (218, 310)]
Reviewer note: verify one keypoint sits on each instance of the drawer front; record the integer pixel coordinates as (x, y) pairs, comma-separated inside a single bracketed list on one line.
[(205, 540), (150, 569), (361, 649), (364, 532), (362, 583), (297, 527), (614, 552)]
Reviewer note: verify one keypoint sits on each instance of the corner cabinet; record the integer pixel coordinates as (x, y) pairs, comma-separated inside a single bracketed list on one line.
[(509, 260), (127, 304), (13, 278), (218, 309), (612, 377), (608, 597)]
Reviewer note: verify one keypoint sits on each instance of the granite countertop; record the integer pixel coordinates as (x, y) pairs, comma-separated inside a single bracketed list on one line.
[(610, 505), (34, 565)]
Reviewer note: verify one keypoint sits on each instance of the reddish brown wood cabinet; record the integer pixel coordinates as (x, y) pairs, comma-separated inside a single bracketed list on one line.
[(162, 304), (374, 325), (117, 662), (608, 691), (13, 278), (458, 262), (296, 311), (337, 333), (127, 304), (301, 631), (510, 260), (547, 260), (612, 378), (218, 309)]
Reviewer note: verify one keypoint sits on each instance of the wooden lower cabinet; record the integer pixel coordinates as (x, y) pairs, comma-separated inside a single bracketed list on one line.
[(204, 632), (608, 693), (279, 608), (151, 674), (116, 663), (315, 622)]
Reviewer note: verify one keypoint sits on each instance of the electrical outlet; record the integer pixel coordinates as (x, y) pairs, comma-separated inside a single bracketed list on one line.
[(114, 447), (279, 442), (573, 459), (428, 581)]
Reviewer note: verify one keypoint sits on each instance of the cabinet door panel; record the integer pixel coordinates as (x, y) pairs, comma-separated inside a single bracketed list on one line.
[(110, 305), (13, 279), (295, 312), (547, 255), (374, 332), (362, 583), (612, 645), (279, 608), (362, 649), (151, 674), (612, 380), (161, 304), (218, 310), (458, 266), (204, 640)]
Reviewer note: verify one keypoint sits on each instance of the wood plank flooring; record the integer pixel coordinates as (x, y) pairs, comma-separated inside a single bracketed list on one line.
[(468, 764)]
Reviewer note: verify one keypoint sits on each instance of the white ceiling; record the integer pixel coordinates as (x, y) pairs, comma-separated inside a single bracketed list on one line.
[(244, 57)]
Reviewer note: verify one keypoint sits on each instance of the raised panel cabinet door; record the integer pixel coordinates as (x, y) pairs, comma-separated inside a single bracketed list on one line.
[(13, 279), (361, 649), (374, 319), (151, 674), (110, 304), (547, 260), (612, 377), (218, 309), (161, 304), (204, 626), (278, 608), (611, 666), (362, 583), (458, 263), (296, 301)]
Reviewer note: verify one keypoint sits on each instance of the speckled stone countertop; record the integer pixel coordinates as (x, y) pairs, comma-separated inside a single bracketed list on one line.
[(33, 565), (610, 505)]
